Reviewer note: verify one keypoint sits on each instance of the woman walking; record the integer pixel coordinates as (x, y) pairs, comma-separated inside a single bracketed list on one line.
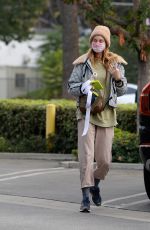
[(96, 81)]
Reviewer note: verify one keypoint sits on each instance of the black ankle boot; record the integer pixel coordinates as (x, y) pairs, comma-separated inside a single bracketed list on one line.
[(95, 192), (85, 204), (96, 198)]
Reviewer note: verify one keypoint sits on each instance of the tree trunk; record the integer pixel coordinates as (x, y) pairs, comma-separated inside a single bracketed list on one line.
[(70, 41), (136, 4)]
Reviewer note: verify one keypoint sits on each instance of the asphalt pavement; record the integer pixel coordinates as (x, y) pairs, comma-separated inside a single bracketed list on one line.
[(42, 193)]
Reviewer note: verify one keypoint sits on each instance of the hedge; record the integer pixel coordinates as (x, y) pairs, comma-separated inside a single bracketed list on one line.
[(22, 128), (19, 119), (66, 131), (22, 125), (125, 147), (126, 117), (66, 126)]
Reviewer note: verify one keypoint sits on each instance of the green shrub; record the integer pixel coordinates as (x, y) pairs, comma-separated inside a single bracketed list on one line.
[(22, 122), (20, 119), (31, 144), (125, 147), (66, 126), (4, 144), (50, 63), (66, 130), (127, 117), (22, 128)]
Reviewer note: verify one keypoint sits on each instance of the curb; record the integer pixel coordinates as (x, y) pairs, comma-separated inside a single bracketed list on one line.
[(133, 166), (38, 156), (65, 160)]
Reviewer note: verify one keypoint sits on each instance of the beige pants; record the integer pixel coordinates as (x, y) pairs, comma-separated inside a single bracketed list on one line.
[(97, 143)]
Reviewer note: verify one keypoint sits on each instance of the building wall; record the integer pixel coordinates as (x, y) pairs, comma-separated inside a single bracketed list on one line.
[(3, 82), (17, 81)]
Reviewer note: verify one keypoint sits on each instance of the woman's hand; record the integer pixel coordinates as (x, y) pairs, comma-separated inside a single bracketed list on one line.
[(86, 87), (114, 72)]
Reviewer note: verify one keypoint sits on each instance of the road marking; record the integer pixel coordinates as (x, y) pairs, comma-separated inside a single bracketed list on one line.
[(123, 198), (28, 171), (134, 203), (74, 208), (33, 174)]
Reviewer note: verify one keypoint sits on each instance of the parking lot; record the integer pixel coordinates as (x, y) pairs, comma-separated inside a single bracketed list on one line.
[(39, 194)]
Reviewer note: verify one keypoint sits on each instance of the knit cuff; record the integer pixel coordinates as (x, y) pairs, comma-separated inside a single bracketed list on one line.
[(119, 83)]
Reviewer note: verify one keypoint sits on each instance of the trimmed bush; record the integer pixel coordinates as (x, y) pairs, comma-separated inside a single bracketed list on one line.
[(126, 117), (31, 144), (22, 128), (4, 145), (66, 126), (18, 121), (125, 147), (24, 118), (22, 125), (66, 131)]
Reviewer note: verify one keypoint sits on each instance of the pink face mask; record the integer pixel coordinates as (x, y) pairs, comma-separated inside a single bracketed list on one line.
[(98, 48)]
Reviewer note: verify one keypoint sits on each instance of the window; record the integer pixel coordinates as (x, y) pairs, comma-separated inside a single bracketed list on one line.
[(20, 80)]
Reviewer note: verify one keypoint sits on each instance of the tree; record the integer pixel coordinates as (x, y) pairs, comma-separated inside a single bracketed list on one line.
[(18, 17), (50, 63), (130, 27), (70, 40), (144, 43)]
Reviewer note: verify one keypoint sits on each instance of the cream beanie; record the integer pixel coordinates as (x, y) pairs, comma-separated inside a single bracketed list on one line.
[(103, 31)]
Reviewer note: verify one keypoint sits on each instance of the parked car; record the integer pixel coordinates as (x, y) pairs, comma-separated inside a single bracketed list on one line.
[(130, 96), (144, 131)]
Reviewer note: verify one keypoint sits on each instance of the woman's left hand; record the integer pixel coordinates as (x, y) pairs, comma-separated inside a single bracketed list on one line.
[(114, 72)]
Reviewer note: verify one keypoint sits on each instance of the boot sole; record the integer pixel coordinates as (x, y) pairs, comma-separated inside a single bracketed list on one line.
[(85, 210)]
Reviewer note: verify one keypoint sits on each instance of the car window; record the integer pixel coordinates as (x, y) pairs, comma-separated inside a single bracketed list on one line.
[(130, 90)]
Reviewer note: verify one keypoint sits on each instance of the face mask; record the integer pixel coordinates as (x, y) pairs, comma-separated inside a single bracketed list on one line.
[(98, 48)]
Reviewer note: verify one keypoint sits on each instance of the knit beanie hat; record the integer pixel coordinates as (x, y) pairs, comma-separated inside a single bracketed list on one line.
[(102, 31)]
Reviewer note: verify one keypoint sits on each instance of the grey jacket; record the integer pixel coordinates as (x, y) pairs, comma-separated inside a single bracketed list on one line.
[(82, 72)]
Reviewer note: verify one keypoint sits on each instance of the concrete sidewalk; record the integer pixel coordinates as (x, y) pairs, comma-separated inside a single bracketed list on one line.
[(65, 160), (114, 165), (38, 156)]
